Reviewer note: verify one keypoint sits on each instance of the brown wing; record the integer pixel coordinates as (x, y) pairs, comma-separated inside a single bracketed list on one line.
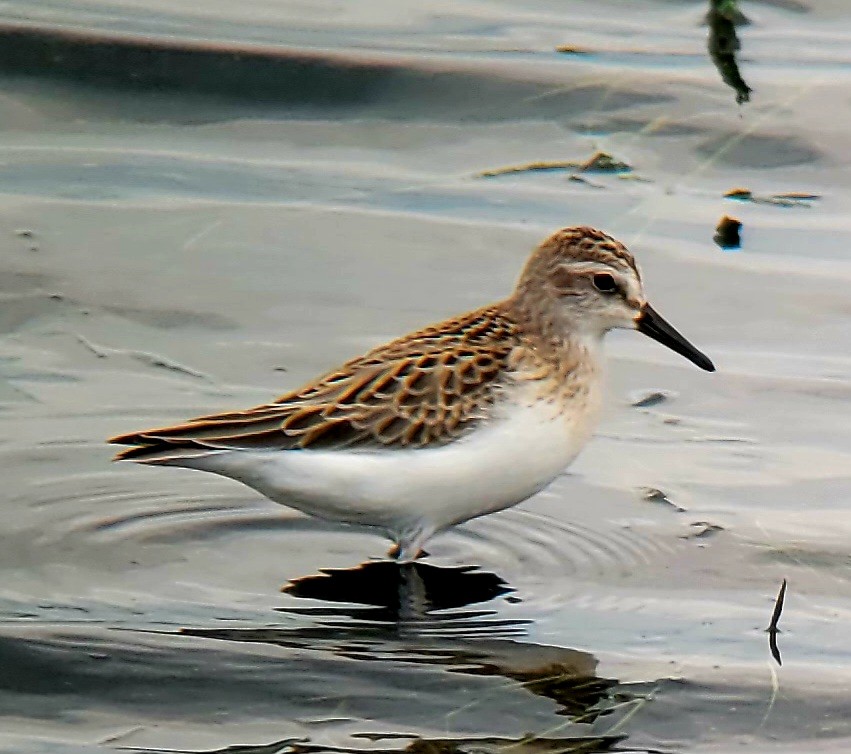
[(423, 389)]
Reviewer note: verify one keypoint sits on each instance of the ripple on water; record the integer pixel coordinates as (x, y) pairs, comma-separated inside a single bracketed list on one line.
[(160, 529), (540, 544), (530, 548), (107, 505)]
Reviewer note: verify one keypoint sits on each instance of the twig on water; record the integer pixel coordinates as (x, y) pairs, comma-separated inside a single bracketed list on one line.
[(723, 44), (772, 629)]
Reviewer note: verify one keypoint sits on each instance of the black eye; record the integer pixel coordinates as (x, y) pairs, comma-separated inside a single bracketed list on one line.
[(605, 283)]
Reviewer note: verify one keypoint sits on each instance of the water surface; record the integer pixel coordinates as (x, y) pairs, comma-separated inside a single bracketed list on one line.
[(180, 243)]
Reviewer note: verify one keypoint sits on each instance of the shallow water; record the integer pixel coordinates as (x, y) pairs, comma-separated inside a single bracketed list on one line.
[(178, 243)]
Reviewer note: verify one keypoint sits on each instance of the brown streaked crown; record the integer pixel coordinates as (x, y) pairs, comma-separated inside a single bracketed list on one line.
[(579, 243), (561, 266)]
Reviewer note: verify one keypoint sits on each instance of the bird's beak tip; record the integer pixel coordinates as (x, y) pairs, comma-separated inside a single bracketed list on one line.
[(707, 366), (651, 323)]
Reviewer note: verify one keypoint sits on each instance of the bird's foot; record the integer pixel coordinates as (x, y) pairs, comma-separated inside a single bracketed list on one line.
[(394, 552)]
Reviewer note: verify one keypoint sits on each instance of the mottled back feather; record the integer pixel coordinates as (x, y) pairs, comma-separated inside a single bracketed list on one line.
[(425, 389)]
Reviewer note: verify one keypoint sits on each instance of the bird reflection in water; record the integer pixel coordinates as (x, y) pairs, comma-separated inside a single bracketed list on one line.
[(419, 613), (401, 592)]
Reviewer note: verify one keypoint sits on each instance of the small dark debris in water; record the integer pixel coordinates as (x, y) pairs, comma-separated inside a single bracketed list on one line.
[(634, 177), (603, 162), (581, 179), (529, 167), (149, 359), (790, 199), (56, 297), (730, 10), (599, 162), (650, 398), (97, 350), (572, 50), (469, 745), (702, 530), (30, 236), (795, 196), (280, 369), (285, 746), (727, 440), (727, 235), (512, 599), (772, 629), (654, 495), (723, 44)]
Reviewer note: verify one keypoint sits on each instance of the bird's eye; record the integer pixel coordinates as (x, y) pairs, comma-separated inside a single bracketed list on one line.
[(605, 283)]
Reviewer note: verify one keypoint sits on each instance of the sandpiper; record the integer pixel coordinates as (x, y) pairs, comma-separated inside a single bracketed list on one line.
[(466, 417)]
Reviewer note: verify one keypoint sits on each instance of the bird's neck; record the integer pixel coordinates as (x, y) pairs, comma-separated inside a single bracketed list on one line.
[(552, 348), (553, 334)]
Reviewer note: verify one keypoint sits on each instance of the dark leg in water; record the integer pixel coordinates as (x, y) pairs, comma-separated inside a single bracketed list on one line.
[(410, 541), (393, 552)]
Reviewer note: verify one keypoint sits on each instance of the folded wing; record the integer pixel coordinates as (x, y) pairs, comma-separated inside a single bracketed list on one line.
[(425, 389)]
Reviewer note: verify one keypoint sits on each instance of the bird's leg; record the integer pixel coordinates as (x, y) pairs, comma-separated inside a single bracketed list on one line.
[(409, 544), (393, 552)]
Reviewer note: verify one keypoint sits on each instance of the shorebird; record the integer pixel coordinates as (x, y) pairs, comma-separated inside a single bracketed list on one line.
[(463, 418)]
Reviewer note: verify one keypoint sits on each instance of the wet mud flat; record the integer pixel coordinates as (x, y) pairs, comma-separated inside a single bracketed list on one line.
[(171, 250)]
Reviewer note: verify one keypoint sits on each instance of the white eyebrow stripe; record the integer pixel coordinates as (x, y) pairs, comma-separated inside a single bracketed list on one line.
[(588, 267)]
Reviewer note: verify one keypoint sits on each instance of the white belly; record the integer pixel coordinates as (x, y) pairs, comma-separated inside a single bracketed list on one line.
[(503, 462)]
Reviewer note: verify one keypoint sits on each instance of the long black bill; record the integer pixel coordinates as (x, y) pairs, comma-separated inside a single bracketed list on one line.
[(652, 324)]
